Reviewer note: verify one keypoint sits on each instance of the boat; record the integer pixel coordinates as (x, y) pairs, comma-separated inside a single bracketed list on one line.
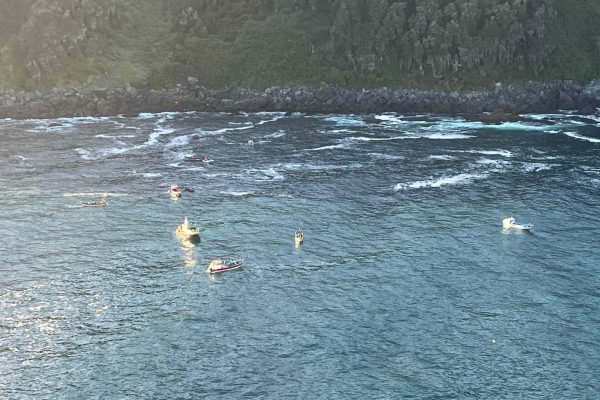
[(216, 266), (175, 191), (95, 203), (511, 223), (299, 237), (207, 160), (187, 231)]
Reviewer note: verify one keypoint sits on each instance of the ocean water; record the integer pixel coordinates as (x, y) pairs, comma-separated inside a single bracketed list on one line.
[(406, 286)]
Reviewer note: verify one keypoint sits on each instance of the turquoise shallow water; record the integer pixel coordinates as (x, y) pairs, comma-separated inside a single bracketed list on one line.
[(406, 286)]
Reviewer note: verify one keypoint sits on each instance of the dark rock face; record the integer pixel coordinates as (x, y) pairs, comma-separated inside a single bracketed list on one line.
[(503, 103)]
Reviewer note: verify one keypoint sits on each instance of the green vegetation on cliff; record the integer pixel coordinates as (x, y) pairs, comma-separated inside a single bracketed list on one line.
[(259, 43)]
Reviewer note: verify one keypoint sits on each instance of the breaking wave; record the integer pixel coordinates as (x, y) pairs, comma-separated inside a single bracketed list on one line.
[(581, 137), (461, 179), (331, 147)]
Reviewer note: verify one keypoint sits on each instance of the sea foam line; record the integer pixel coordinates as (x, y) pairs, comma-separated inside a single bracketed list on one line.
[(461, 179), (580, 137)]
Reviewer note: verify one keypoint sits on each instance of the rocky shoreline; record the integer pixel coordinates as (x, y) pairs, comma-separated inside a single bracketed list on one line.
[(505, 101)]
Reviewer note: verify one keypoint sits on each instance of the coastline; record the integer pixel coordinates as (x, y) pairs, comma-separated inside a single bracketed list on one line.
[(505, 101)]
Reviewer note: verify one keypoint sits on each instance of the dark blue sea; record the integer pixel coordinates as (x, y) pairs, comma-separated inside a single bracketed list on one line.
[(406, 286)]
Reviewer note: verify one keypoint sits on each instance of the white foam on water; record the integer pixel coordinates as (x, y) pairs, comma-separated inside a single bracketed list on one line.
[(83, 119), (265, 175), (154, 136), (580, 137), (163, 116), (277, 118), (89, 194), (272, 175), (348, 120), (373, 139), (276, 135), (592, 117), (493, 165), (338, 131), (20, 157), (216, 175), (447, 136), (519, 126), (392, 118), (537, 167), (47, 128), (153, 139), (593, 170), (85, 154), (115, 136), (316, 167), (194, 169), (238, 194), (442, 157), (150, 175), (453, 125), (179, 141), (503, 153), (547, 158), (114, 151), (224, 130), (539, 117), (183, 155), (461, 179), (270, 113), (331, 147), (388, 157), (147, 175)]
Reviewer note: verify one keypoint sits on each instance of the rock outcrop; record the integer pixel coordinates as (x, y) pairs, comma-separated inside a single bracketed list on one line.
[(503, 103)]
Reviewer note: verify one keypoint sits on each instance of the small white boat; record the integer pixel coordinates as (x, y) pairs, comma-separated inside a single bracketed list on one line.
[(207, 160), (511, 223)]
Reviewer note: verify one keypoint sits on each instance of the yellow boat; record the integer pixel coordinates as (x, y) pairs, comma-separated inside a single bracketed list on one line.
[(299, 237), (187, 231)]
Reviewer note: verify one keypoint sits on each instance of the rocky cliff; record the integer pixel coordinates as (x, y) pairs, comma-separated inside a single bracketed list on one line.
[(448, 44)]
